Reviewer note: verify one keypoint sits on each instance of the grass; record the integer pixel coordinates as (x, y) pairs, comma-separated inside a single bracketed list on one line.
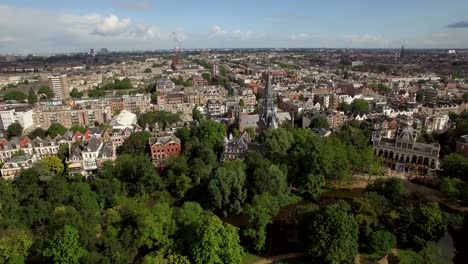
[(408, 257), (251, 258)]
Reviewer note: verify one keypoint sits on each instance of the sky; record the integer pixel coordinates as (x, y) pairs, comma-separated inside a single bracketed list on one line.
[(57, 26)]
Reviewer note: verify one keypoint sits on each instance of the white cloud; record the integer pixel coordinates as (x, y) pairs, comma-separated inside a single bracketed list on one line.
[(26, 30), (218, 32), (363, 38), (302, 36), (112, 26)]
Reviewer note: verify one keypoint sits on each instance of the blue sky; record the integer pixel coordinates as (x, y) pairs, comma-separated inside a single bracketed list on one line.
[(64, 26)]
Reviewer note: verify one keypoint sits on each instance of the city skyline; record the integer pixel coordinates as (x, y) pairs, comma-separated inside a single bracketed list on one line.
[(56, 27)]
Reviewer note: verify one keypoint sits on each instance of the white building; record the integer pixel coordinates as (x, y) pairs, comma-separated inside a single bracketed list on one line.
[(125, 119), (10, 116)]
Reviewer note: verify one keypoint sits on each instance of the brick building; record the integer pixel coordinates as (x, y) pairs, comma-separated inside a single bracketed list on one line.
[(164, 147)]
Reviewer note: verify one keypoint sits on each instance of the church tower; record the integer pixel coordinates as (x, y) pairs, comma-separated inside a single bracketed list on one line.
[(267, 117)]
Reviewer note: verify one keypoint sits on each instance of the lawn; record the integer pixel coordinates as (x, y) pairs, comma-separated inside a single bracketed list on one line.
[(409, 257), (251, 258)]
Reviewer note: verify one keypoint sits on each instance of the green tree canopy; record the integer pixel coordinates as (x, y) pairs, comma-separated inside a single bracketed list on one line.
[(227, 188), (465, 97), (381, 243), (32, 97), (64, 246), (319, 122), (53, 164), (455, 165), (46, 90), (14, 130), (56, 129), (137, 143), (420, 225), (78, 128), (393, 189), (137, 174), (75, 93), (218, 243), (278, 142), (331, 235), (210, 133), (14, 245), (162, 118), (38, 132), (197, 115), (360, 105)]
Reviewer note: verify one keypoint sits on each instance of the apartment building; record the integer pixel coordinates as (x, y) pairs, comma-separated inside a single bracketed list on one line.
[(59, 84), (69, 117), (23, 116), (137, 103)]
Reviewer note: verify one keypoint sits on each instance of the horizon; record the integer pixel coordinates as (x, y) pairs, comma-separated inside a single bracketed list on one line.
[(60, 27), (169, 50)]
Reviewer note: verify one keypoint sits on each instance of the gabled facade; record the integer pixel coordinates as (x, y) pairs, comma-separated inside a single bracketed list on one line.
[(235, 148), (162, 148)]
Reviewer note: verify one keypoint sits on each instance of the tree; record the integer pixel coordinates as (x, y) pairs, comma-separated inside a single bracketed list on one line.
[(449, 186), (64, 247), (56, 129), (465, 97), (381, 243), (53, 164), (162, 118), (360, 105), (210, 133), (10, 209), (393, 189), (137, 143), (206, 76), (75, 93), (32, 97), (14, 130), (268, 178), (197, 115), (77, 128), (154, 97), (137, 174), (331, 235), (15, 96), (227, 188), (421, 224), (311, 185), (147, 70), (345, 107), (383, 88), (278, 142), (260, 214), (46, 90), (455, 165), (218, 243), (319, 122), (241, 102), (38, 132), (14, 245)]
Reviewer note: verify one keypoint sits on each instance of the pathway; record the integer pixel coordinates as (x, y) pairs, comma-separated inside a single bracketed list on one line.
[(277, 258)]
